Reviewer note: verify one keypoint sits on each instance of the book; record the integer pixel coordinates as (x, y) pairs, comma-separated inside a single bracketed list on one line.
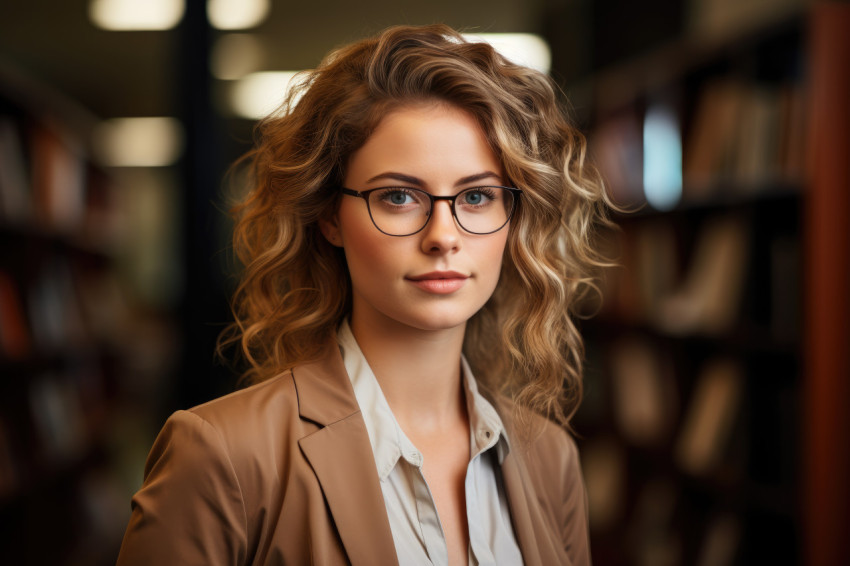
[(721, 541), (653, 530), (708, 299), (616, 148), (715, 21), (644, 397), (58, 180), (604, 469), (15, 340), (54, 308), (15, 196), (710, 416), (792, 136), (709, 147), (756, 158), (9, 472), (657, 265), (59, 418)]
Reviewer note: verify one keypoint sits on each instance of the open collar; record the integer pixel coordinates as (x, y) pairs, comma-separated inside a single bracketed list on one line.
[(338, 453)]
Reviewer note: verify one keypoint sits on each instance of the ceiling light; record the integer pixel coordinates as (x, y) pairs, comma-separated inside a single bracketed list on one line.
[(259, 94), (237, 14), (132, 15), (138, 142), (521, 48)]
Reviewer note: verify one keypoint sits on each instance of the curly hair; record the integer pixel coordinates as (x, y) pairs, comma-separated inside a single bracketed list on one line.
[(295, 289)]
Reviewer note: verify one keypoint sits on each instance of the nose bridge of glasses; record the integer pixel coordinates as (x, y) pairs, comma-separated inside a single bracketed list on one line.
[(450, 204)]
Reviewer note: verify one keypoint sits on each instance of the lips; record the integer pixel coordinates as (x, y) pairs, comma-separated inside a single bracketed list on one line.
[(439, 282)]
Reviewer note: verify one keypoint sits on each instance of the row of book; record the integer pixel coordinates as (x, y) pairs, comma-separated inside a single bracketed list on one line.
[(697, 431), (64, 307), (63, 448), (648, 411), (47, 184), (697, 285), (51, 427), (749, 134), (740, 136)]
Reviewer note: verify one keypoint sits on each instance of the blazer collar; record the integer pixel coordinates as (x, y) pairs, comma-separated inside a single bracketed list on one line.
[(341, 456)]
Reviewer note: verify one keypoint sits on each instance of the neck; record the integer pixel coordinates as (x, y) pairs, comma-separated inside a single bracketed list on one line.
[(419, 371)]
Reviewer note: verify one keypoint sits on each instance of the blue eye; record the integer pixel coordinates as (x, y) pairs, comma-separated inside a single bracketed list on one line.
[(478, 197), (397, 197), (473, 198)]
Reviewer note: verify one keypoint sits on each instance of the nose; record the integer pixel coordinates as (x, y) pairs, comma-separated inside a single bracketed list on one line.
[(441, 234)]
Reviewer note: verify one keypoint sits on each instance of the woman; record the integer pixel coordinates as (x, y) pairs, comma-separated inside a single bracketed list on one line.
[(414, 242)]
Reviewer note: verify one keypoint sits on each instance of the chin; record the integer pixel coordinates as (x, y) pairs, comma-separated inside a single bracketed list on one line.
[(439, 321)]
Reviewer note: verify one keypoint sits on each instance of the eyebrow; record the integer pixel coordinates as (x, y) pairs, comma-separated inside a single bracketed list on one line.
[(411, 180)]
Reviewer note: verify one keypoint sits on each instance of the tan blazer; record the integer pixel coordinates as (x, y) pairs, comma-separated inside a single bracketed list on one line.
[(283, 473)]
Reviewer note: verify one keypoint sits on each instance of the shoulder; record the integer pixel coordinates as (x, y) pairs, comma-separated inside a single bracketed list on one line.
[(549, 451), (275, 398), (545, 446), (240, 428)]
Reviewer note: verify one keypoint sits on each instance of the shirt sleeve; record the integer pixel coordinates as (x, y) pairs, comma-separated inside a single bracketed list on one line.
[(190, 508)]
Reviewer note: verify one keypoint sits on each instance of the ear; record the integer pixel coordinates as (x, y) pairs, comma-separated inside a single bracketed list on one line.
[(330, 230)]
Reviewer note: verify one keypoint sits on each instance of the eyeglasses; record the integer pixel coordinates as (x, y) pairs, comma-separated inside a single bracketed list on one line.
[(404, 211)]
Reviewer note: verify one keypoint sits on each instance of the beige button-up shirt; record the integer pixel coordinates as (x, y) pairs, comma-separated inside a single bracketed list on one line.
[(416, 528)]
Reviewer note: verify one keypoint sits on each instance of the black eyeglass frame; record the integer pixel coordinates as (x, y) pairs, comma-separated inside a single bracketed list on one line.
[(517, 193)]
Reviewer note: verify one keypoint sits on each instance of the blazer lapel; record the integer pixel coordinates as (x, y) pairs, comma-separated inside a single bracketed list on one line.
[(536, 540), (341, 456), (525, 523)]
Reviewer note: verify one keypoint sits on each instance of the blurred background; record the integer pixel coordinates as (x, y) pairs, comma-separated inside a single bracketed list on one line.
[(714, 428)]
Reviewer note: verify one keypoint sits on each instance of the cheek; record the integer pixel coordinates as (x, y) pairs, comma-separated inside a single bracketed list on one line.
[(367, 251), (491, 256)]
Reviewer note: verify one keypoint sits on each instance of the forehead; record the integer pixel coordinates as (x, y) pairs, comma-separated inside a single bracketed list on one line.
[(431, 140)]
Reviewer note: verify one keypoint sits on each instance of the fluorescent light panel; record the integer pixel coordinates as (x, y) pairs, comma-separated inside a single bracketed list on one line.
[(139, 142), (135, 15), (522, 48), (237, 14), (258, 94)]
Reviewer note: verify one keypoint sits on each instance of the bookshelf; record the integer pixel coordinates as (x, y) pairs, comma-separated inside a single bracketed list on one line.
[(710, 381), (67, 330)]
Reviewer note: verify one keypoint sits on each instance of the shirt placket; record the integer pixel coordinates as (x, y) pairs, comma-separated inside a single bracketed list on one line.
[(429, 520), (481, 554)]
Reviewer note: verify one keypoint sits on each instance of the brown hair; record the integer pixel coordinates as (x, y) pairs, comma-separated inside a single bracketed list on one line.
[(295, 288)]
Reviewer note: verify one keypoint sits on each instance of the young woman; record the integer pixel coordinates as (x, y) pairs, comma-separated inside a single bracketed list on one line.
[(416, 236)]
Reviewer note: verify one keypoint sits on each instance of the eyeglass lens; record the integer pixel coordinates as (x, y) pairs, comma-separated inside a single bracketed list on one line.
[(402, 211)]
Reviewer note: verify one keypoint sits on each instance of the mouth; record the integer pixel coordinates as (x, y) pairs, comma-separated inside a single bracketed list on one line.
[(436, 275), (439, 282)]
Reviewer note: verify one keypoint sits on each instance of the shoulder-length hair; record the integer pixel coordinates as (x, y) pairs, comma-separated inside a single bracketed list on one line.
[(295, 289)]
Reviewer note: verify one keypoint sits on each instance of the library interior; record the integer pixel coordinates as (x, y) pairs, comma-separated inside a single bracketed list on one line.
[(714, 424)]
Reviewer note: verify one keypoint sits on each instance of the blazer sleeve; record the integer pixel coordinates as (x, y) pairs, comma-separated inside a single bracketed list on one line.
[(190, 508)]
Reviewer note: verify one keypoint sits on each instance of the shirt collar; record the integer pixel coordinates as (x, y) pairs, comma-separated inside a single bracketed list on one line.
[(389, 443), (485, 426)]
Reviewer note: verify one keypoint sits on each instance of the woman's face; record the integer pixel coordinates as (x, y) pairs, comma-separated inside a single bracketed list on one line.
[(439, 277)]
